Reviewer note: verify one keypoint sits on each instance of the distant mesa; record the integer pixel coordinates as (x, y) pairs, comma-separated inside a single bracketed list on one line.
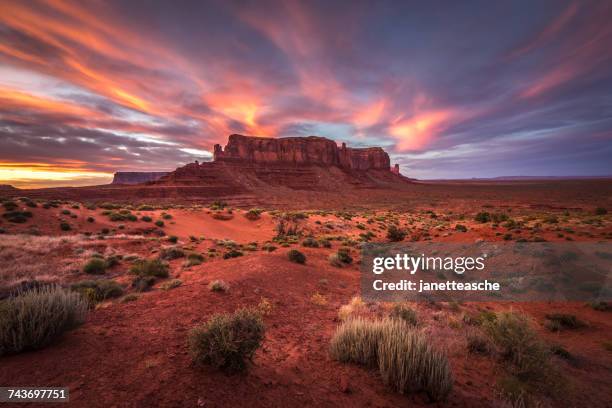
[(249, 163), (137, 177), (311, 150)]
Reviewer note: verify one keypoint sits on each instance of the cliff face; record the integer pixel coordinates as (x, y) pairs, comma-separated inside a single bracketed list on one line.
[(311, 150), (136, 177)]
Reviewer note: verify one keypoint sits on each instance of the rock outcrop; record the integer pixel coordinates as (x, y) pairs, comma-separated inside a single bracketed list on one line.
[(137, 177), (298, 151)]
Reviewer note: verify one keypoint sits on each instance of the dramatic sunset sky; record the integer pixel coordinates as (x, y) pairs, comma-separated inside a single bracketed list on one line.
[(450, 89)]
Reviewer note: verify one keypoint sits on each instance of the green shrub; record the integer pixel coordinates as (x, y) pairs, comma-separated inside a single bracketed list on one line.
[(174, 283), (601, 306), (143, 283), (98, 290), (228, 341), (173, 239), (461, 228), (344, 256), (146, 218), (601, 211), (518, 343), (296, 256), (150, 267), (159, 223), (478, 343), (9, 205), (395, 234), (560, 321), (232, 253), (253, 214), (171, 253), (146, 207), (95, 266), (405, 313), (218, 286), (64, 226), (90, 219), (34, 319), (310, 242), (483, 217), (18, 217), (166, 216)]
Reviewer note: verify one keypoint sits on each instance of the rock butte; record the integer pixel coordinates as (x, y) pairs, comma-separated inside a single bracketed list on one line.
[(304, 163)]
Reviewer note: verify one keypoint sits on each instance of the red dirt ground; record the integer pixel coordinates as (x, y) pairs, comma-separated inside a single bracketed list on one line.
[(135, 354)]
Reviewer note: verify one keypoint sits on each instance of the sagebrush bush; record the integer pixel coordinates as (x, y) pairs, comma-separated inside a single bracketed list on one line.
[(296, 256), (98, 290), (310, 242), (219, 286), (518, 343), (228, 341), (171, 253), (95, 266), (405, 313), (253, 214), (560, 321), (355, 308), (150, 267), (395, 234), (406, 358), (34, 319)]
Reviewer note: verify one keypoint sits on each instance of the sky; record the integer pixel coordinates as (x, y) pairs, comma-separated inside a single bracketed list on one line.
[(449, 89)]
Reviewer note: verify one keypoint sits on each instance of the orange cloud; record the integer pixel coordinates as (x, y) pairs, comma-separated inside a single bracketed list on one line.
[(417, 131)]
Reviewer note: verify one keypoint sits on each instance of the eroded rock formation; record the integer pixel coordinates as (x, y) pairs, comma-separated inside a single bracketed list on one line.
[(311, 150)]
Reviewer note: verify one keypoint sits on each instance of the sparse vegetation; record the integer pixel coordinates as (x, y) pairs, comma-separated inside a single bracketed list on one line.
[(253, 214), (34, 319), (98, 290), (406, 359), (483, 217), (405, 313), (296, 256), (150, 267), (395, 234), (219, 286), (228, 341), (174, 283), (95, 266), (562, 321)]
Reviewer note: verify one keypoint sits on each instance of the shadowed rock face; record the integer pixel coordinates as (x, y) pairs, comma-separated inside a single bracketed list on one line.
[(136, 177), (311, 150)]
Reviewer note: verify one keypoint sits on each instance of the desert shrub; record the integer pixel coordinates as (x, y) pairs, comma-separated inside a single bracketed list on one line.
[(518, 343), (150, 267), (310, 242), (344, 256), (601, 306), (408, 361), (253, 214), (228, 341), (218, 205), (98, 290), (334, 260), (9, 205), (129, 298), (64, 226), (395, 234), (146, 218), (356, 341), (560, 321), (174, 283), (296, 256), (193, 258), (601, 211), (173, 239), (18, 217), (483, 217), (478, 343), (405, 313), (232, 253), (159, 223), (318, 299), (218, 286), (66, 212), (145, 207), (461, 228), (405, 357), (325, 243), (222, 216), (268, 247), (166, 216), (90, 219), (355, 308), (143, 283), (499, 217), (171, 253), (34, 319), (286, 228), (95, 266)]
